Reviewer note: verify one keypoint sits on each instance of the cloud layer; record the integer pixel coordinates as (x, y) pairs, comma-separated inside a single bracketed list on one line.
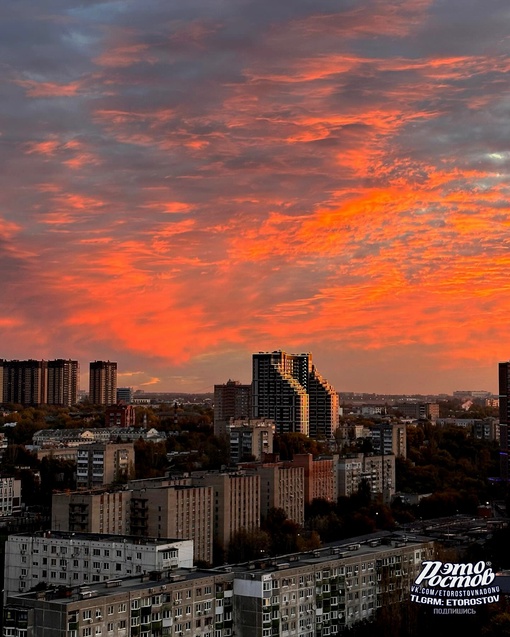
[(186, 183)]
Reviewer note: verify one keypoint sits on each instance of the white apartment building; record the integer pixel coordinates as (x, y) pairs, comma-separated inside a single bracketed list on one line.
[(72, 559)]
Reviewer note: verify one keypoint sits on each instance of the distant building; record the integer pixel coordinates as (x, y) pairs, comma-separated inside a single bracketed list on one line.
[(377, 471), (74, 559), (282, 486), (319, 475), (63, 382), (120, 415), (288, 389), (236, 502), (389, 437), (25, 382), (103, 383), (429, 411), (124, 395), (278, 392), (250, 439), (99, 464), (231, 400)]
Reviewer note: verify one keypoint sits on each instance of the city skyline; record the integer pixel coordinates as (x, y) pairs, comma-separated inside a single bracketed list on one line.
[(187, 184)]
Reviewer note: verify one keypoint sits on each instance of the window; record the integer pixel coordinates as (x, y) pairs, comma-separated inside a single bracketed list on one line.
[(122, 608), (87, 614), (135, 604), (110, 610), (87, 632)]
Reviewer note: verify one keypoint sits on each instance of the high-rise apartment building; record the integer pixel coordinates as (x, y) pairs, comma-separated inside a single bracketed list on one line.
[(75, 559), (277, 392), (323, 406), (63, 382), (103, 383), (236, 502), (282, 486), (250, 439), (25, 382), (504, 416), (180, 511), (289, 389)]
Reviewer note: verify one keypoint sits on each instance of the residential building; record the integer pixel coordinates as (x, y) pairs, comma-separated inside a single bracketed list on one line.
[(72, 559), (170, 508), (231, 400), (389, 437), (63, 382), (504, 417), (178, 511), (250, 439), (282, 486), (277, 392), (323, 406), (486, 429), (103, 383), (98, 511), (120, 415), (236, 502), (99, 464), (319, 476), (172, 603), (325, 592), (75, 437), (10, 496), (420, 411), (378, 471)]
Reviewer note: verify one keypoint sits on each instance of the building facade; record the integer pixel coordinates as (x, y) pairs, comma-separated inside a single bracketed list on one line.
[(63, 382), (99, 464), (231, 400), (103, 383), (277, 393), (120, 415), (282, 486), (378, 471), (236, 502), (319, 476), (72, 559), (99, 511), (504, 416), (250, 439), (177, 511), (322, 593), (388, 437), (10, 496), (25, 382)]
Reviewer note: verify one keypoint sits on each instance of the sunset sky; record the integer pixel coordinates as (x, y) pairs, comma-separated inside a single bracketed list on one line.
[(186, 182)]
